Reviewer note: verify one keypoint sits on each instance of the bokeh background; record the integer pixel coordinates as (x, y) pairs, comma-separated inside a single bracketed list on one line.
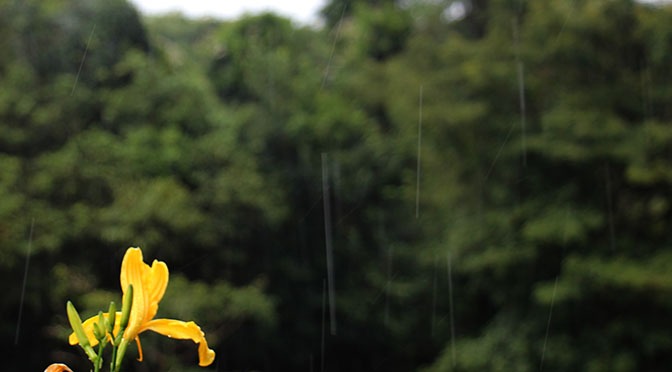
[(492, 178)]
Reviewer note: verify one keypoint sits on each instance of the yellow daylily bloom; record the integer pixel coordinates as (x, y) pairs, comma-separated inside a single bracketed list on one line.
[(149, 285)]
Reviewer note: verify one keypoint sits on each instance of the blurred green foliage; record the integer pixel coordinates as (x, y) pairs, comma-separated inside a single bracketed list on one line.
[(542, 234)]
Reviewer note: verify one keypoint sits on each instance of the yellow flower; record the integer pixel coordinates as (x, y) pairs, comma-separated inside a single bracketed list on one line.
[(149, 285)]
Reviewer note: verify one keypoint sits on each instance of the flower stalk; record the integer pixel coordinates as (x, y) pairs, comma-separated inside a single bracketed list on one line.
[(119, 348)]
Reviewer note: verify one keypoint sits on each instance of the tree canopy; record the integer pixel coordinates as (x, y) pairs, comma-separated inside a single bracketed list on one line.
[(495, 176)]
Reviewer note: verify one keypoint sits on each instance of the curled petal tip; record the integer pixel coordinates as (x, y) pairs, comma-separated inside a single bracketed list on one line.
[(205, 355)]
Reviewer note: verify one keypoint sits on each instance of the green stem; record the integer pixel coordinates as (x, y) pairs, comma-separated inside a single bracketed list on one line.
[(119, 343), (114, 358), (120, 354), (97, 364)]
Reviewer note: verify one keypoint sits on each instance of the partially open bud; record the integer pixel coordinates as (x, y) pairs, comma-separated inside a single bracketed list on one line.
[(58, 367), (99, 328)]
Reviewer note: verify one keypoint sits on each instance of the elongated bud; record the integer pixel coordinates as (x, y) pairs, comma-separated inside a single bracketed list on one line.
[(111, 317), (126, 304), (99, 328), (76, 324)]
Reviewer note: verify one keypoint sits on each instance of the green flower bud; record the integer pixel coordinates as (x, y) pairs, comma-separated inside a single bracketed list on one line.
[(99, 328), (111, 317), (76, 324), (126, 304)]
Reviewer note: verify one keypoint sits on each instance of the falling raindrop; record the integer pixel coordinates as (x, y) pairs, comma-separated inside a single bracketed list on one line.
[(520, 73), (333, 46), (388, 286), (81, 64), (434, 295), (450, 303), (417, 178), (324, 320), (25, 279), (555, 286), (610, 211), (548, 325), (328, 240)]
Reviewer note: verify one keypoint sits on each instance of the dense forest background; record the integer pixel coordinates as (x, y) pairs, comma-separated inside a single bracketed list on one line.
[(497, 177)]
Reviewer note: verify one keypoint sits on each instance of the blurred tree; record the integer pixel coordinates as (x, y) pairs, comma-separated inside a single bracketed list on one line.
[(521, 147), (573, 210), (382, 30), (337, 10), (99, 159)]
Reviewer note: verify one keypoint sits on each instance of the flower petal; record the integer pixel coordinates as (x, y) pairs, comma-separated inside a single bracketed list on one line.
[(131, 254), (133, 270), (184, 331), (155, 283)]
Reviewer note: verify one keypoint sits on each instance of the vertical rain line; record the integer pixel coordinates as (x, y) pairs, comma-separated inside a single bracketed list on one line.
[(548, 325), (324, 312), (333, 46), (610, 208), (450, 304), (25, 279), (388, 287), (645, 87), (328, 239), (417, 178), (388, 284), (564, 23), (520, 72), (555, 287), (81, 63), (434, 295)]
